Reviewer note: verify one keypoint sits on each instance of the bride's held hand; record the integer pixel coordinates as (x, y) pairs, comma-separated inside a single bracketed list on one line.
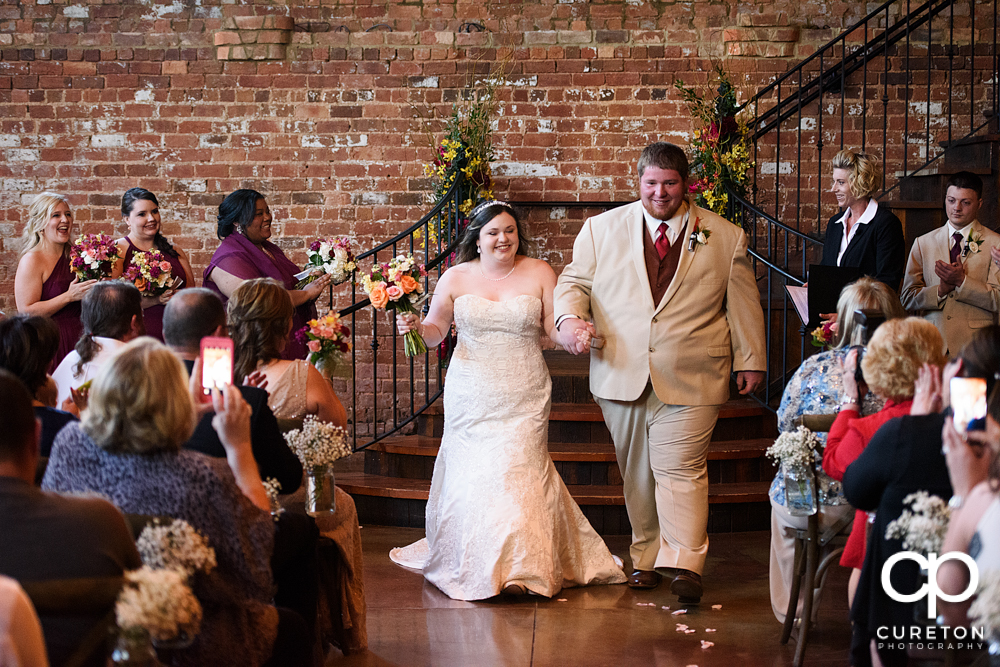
[(406, 322)]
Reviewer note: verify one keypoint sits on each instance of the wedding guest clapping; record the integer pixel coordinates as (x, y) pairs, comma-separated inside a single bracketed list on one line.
[(245, 253), (44, 283), (141, 212)]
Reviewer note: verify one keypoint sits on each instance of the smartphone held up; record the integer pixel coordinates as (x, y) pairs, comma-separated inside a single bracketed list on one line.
[(968, 403), (216, 364)]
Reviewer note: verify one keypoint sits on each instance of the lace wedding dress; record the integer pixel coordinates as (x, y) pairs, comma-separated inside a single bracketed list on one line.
[(498, 512)]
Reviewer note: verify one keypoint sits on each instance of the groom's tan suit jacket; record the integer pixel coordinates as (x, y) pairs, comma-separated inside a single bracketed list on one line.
[(708, 322)]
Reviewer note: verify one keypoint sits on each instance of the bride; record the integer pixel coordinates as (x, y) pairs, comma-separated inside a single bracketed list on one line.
[(499, 518)]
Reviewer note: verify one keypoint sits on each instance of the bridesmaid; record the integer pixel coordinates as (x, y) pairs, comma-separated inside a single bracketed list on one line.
[(43, 283), (141, 212)]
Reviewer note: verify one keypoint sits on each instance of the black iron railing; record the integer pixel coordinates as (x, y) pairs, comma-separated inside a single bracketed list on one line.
[(388, 391)]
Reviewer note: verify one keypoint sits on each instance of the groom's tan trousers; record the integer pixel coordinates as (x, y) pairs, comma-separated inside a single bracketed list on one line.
[(662, 452)]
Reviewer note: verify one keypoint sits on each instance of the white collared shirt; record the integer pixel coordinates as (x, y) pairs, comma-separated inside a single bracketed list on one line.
[(64, 377), (675, 225), (846, 237), (964, 231)]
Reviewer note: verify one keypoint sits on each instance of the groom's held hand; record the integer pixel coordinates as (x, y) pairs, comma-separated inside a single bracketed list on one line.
[(570, 339), (749, 382)]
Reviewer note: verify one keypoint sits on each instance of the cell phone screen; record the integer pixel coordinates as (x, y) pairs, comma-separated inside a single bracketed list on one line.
[(968, 401), (216, 364)]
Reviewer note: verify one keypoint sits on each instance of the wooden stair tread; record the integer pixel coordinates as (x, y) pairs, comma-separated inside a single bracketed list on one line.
[(591, 412), (418, 489), (419, 445)]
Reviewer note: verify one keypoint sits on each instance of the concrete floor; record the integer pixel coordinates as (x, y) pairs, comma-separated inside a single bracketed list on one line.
[(410, 622)]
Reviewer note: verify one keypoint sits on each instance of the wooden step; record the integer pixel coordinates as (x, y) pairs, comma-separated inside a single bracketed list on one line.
[(363, 484), (591, 412), (419, 445)]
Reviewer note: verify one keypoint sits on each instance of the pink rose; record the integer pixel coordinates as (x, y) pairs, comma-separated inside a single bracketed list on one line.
[(315, 346), (394, 292), (165, 266)]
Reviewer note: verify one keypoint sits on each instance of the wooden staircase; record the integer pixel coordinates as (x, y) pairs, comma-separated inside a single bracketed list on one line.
[(394, 486)]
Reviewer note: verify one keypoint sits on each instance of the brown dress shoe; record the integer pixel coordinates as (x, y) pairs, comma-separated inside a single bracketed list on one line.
[(644, 579), (687, 586), (514, 590)]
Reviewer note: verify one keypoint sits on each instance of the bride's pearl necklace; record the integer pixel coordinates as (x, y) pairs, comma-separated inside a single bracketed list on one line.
[(496, 280)]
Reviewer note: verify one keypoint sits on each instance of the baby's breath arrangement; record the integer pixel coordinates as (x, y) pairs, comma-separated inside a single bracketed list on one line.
[(177, 546), (318, 443), (159, 602), (922, 528), (273, 489), (794, 448), (985, 609)]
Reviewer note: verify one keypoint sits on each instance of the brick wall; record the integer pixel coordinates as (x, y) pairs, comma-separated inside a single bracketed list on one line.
[(324, 105)]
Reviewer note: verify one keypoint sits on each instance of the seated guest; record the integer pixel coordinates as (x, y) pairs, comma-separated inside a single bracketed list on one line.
[(191, 315), (47, 536), (27, 345), (815, 388), (128, 447), (260, 323), (245, 253), (112, 316), (141, 212), (866, 235), (21, 642), (44, 283), (903, 457), (897, 351)]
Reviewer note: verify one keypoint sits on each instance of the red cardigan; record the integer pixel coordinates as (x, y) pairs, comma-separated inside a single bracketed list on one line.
[(849, 435)]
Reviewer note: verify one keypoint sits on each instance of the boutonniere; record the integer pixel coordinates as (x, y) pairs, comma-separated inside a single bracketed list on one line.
[(973, 244), (699, 236)]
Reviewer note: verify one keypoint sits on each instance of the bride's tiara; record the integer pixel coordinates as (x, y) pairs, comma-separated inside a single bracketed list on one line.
[(486, 204)]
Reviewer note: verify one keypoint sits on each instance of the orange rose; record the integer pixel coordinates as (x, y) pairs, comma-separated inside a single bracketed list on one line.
[(378, 296), (408, 284), (140, 284)]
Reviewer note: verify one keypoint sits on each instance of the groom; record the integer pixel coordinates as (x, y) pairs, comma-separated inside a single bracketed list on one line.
[(669, 288)]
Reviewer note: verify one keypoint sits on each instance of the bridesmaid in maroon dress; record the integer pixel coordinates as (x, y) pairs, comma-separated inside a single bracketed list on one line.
[(141, 212), (43, 283)]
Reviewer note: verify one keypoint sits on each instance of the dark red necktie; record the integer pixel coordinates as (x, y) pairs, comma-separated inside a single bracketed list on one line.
[(662, 245), (956, 249)]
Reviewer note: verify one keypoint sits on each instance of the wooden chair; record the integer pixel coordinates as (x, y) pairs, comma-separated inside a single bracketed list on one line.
[(79, 597), (808, 568)]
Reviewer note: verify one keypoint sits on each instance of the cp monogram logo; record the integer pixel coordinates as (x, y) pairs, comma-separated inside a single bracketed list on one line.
[(930, 589)]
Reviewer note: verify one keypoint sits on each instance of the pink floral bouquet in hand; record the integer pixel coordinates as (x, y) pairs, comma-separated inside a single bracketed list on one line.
[(396, 286), (332, 256), (327, 339), (149, 271), (822, 336), (93, 256)]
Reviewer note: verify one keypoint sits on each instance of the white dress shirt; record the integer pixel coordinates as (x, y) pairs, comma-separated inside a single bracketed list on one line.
[(846, 237), (64, 377), (675, 225)]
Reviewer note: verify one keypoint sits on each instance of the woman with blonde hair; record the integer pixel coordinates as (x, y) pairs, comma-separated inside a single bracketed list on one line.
[(129, 448), (815, 388), (44, 283), (864, 234), (260, 322)]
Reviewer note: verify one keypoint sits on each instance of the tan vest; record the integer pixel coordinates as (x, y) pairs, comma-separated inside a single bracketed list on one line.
[(661, 272)]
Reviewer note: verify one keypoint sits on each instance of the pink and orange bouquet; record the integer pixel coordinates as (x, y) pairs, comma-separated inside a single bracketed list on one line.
[(93, 256), (326, 337), (332, 256), (149, 271), (396, 286)]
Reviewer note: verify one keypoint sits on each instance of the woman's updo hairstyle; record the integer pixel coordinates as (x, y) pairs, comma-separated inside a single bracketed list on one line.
[(131, 196), (865, 178), (260, 315), (237, 209), (480, 217)]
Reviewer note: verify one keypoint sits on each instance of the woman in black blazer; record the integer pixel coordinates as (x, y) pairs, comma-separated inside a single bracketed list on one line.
[(875, 234)]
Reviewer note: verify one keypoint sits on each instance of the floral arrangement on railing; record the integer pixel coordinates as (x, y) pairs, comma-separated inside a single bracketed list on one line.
[(723, 150)]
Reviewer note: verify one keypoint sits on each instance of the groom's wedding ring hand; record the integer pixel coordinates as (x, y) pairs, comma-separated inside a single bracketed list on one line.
[(406, 322), (576, 335)]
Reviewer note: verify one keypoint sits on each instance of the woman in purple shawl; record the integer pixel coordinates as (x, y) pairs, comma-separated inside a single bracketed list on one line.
[(248, 254), (43, 283)]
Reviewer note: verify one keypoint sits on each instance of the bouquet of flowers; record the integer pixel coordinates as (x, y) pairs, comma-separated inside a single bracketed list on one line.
[(794, 448), (923, 528), (176, 546), (985, 609), (159, 602), (326, 338), (317, 443), (333, 256), (149, 271), (822, 336), (396, 285), (93, 256)]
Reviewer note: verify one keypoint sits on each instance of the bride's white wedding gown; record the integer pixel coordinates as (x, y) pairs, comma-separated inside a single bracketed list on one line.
[(498, 512)]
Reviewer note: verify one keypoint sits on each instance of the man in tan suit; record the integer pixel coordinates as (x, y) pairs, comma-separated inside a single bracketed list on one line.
[(949, 278), (669, 288)]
